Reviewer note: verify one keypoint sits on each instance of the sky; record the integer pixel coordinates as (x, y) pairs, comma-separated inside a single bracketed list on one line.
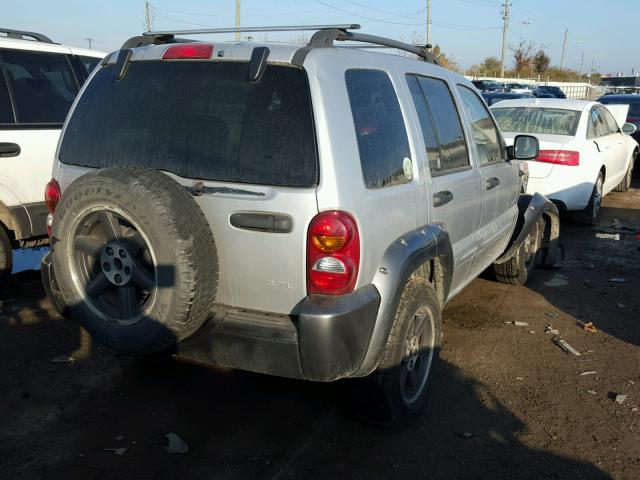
[(601, 35)]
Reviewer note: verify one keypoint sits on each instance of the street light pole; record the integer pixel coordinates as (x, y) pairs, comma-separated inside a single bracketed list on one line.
[(237, 19)]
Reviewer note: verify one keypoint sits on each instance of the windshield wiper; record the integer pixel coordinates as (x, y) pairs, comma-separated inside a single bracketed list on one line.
[(199, 189)]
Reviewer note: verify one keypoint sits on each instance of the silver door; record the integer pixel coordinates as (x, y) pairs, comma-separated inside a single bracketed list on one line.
[(455, 183), (499, 180)]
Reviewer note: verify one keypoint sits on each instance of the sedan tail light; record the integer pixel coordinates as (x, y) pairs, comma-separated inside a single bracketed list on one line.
[(52, 195), (568, 158), (333, 254)]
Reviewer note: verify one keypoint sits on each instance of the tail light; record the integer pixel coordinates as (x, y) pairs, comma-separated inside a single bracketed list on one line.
[(568, 158), (333, 254), (52, 194), (189, 51)]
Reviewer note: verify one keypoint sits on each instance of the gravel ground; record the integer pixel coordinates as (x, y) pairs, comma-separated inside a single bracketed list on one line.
[(505, 401)]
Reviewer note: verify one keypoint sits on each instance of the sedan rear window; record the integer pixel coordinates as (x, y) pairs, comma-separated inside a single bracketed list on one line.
[(554, 121), (200, 120)]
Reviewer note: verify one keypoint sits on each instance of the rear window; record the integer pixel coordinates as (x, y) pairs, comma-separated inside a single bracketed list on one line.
[(200, 120), (554, 121)]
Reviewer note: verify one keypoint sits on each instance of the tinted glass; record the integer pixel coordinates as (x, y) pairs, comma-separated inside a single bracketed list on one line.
[(89, 63), (612, 125), (199, 120), (380, 128), (426, 124), (43, 85), (448, 126), (485, 133), (6, 114), (554, 121)]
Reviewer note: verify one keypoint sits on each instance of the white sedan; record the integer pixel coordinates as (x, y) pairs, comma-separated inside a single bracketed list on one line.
[(585, 149)]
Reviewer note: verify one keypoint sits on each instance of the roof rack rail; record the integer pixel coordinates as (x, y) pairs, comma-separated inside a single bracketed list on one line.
[(281, 28), (325, 38), (24, 35)]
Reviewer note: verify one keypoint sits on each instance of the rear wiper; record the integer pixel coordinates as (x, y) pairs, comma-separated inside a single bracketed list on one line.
[(199, 189)]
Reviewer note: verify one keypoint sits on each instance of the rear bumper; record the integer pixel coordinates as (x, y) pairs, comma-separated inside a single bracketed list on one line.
[(574, 195), (326, 340)]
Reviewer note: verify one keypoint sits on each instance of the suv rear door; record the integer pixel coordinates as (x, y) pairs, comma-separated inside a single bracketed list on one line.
[(454, 190), (246, 150), (499, 179), (42, 86)]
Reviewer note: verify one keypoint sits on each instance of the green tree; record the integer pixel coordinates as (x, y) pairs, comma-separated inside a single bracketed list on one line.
[(541, 62)]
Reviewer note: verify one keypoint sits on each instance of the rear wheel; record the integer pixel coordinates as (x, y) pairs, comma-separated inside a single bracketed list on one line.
[(520, 267), (411, 351), (134, 259), (589, 215), (625, 183), (6, 257)]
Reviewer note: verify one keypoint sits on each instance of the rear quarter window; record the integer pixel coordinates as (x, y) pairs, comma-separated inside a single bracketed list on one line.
[(380, 129)]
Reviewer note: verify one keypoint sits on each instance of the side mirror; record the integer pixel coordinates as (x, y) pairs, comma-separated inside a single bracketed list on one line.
[(628, 128), (525, 147)]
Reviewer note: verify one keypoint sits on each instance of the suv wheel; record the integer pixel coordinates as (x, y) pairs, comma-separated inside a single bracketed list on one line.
[(412, 348), (520, 267), (134, 259), (6, 257)]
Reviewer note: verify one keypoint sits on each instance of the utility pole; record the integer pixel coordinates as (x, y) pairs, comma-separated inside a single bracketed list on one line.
[(428, 22), (505, 29), (148, 16), (564, 46), (89, 40), (581, 63), (237, 19)]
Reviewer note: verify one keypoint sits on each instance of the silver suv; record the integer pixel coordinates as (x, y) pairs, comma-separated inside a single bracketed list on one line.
[(303, 211)]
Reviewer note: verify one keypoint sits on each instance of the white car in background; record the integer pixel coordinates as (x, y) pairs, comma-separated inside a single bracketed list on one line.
[(519, 88), (585, 150), (39, 81)]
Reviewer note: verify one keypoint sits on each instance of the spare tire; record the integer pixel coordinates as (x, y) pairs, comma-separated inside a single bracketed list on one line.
[(134, 259)]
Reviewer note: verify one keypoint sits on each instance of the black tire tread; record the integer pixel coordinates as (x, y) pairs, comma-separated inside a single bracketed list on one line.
[(197, 264)]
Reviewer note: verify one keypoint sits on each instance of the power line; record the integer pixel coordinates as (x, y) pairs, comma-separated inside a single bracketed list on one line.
[(186, 13)]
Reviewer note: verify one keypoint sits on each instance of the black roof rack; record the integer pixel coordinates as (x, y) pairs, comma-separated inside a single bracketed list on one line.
[(323, 37), (24, 35)]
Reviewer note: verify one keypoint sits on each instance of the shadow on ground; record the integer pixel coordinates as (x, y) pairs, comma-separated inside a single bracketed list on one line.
[(58, 418)]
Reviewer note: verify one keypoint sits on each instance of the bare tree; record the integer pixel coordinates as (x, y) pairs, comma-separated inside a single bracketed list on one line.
[(523, 57)]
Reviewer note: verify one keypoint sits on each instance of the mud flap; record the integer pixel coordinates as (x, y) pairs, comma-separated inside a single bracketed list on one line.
[(530, 209)]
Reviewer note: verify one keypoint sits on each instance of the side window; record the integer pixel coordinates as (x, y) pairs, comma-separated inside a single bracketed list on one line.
[(599, 125), (43, 85), (6, 112), (485, 132), (380, 129), (612, 125), (449, 131), (89, 63), (426, 125)]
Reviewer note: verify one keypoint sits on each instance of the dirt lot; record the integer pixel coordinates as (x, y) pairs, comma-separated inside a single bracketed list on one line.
[(505, 402)]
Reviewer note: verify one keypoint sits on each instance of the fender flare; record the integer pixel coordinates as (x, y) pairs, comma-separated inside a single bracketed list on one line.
[(530, 209), (401, 259), (15, 219)]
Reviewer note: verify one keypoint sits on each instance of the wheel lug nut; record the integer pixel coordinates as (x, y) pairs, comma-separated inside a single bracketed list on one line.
[(117, 278), (122, 254), (106, 267), (109, 251), (127, 271)]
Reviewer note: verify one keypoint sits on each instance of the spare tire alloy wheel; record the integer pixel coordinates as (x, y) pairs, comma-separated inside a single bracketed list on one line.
[(134, 259), (114, 266)]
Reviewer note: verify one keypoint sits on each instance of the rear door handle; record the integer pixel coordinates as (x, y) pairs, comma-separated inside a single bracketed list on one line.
[(9, 149), (492, 182), (442, 198)]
